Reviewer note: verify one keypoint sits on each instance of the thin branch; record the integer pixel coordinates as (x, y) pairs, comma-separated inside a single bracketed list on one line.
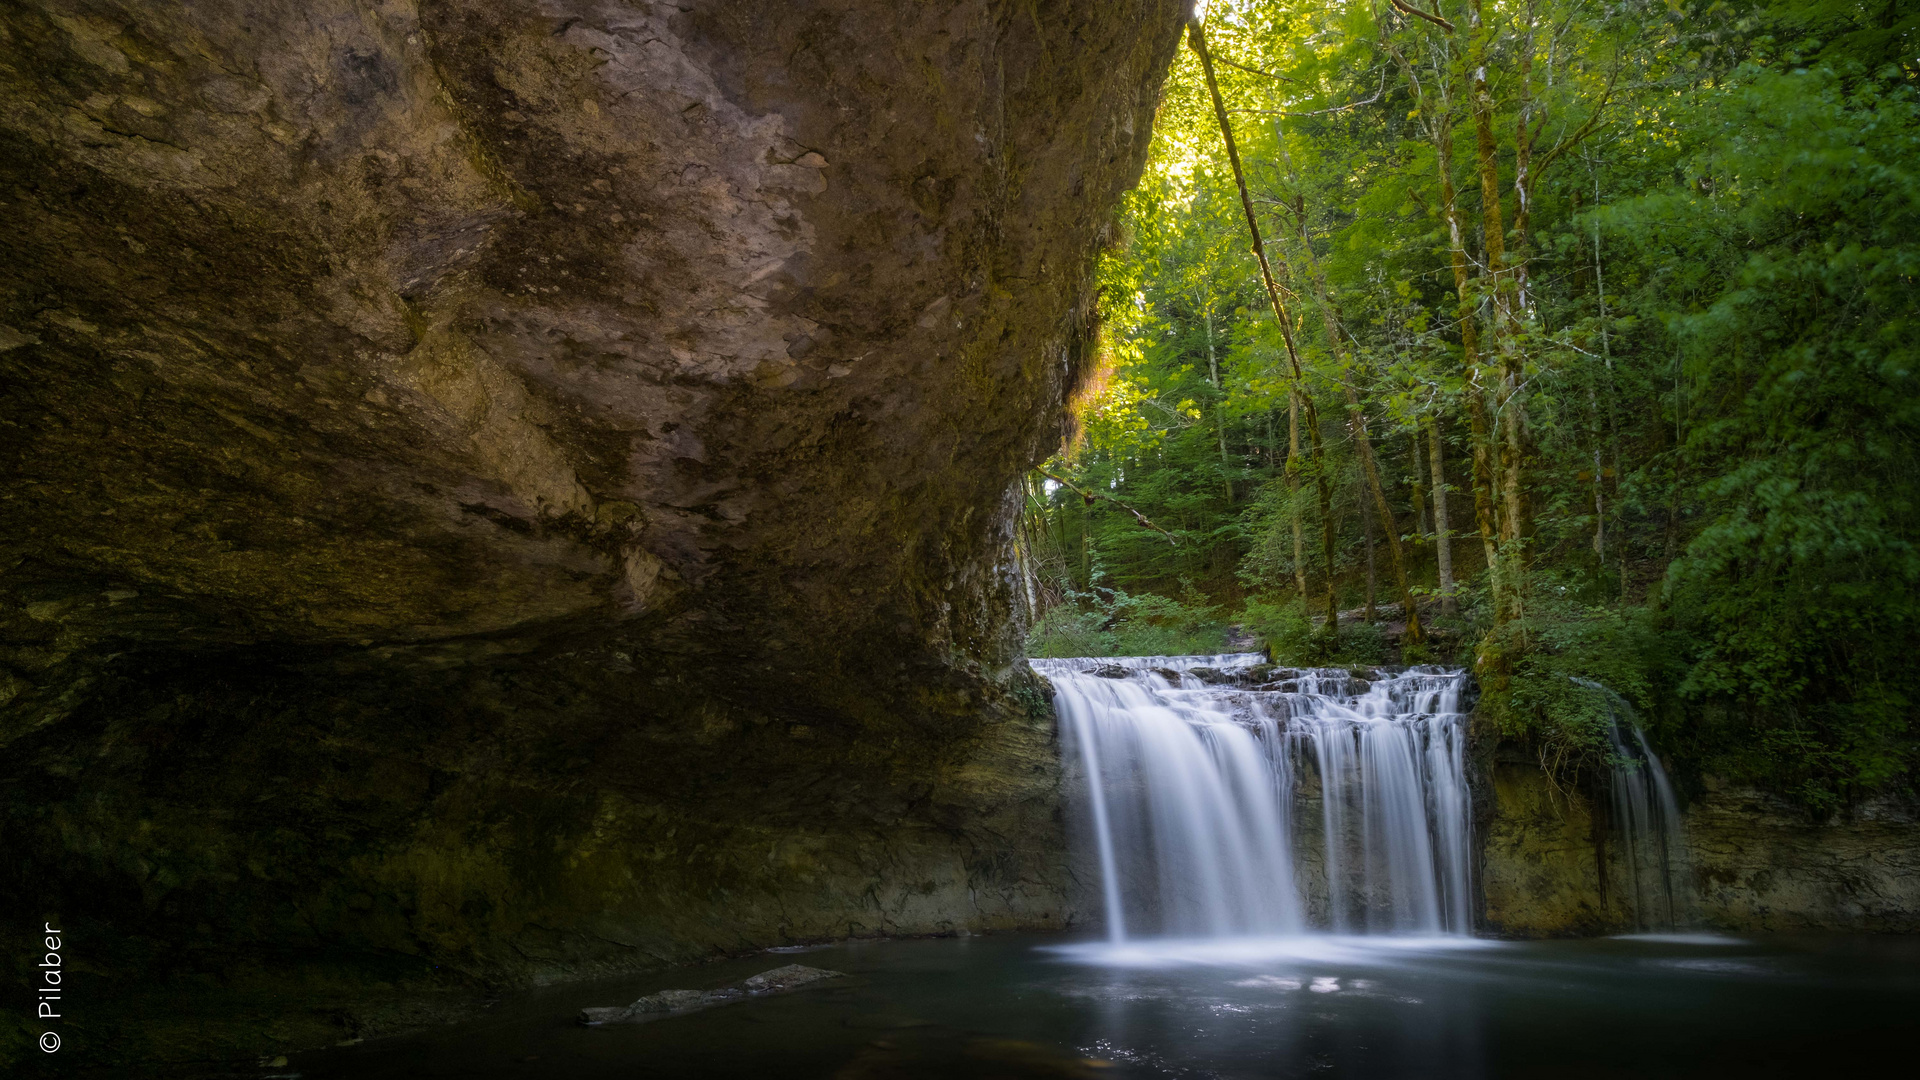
[(1322, 112), (1174, 415), (1089, 496), (1585, 129), (1430, 211), (1409, 9), (1196, 39), (1256, 71)]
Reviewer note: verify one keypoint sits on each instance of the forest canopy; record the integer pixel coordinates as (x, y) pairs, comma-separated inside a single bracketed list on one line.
[(1583, 354)]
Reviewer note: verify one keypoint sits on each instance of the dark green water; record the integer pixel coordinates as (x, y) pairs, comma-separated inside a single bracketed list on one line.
[(1022, 1006)]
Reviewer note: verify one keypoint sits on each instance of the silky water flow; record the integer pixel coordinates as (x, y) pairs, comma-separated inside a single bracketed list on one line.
[(1646, 821), (1228, 798)]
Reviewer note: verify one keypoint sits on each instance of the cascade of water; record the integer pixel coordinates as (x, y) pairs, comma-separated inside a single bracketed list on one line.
[(1202, 776), (1646, 818)]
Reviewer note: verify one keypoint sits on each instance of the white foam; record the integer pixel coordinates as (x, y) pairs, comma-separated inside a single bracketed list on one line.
[(1245, 952)]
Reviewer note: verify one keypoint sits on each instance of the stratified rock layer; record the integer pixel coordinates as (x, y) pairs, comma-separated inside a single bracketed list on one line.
[(501, 490), (1754, 862)]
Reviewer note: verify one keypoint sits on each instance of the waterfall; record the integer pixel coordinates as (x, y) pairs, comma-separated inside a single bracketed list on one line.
[(1646, 819), (1229, 797)]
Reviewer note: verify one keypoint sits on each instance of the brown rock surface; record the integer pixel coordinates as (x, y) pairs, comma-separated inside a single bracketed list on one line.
[(1755, 863), (502, 490)]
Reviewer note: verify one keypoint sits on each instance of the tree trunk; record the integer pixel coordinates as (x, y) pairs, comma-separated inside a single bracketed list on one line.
[(1416, 483), (1599, 510), (1442, 539), (1491, 215), (1220, 411), (1371, 615), (1516, 519), (1362, 442), (1196, 39), (1524, 132), (1293, 490), (1440, 115), (1395, 557), (1326, 520), (1474, 394)]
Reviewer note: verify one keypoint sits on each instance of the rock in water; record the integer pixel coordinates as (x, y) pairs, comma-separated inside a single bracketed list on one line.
[(668, 1002), (790, 977)]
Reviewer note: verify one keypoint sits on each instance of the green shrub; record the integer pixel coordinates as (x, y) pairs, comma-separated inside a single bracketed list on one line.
[(1122, 624), (1294, 640)]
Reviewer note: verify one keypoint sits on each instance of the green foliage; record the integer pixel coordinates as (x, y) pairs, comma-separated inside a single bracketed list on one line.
[(1296, 641), (1118, 624), (1802, 583), (1716, 370), (1570, 667)]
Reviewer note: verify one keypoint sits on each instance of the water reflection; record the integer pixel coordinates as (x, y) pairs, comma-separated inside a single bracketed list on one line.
[(1019, 1007)]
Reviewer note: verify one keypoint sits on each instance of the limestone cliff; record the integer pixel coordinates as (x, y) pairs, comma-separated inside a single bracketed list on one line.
[(501, 490), (1552, 864)]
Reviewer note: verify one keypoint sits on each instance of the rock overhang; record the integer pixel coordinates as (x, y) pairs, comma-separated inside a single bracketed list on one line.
[(416, 322), (491, 483)]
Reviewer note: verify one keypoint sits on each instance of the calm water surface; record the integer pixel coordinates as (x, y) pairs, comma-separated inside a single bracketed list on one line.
[(1022, 1006)]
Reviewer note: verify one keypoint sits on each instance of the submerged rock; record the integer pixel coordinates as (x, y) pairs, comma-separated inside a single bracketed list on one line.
[(669, 1002), (790, 977)]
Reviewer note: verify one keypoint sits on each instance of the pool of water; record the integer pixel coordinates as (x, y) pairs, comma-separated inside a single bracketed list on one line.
[(1018, 1006)]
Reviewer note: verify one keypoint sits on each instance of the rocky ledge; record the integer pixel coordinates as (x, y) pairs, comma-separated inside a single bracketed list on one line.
[(1554, 865)]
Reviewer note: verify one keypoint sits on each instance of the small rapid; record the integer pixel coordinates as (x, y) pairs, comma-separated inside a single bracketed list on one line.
[(1230, 798)]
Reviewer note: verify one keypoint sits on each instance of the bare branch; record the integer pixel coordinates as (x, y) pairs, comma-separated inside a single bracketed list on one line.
[(1255, 70), (1585, 129), (1377, 94), (1409, 9), (1089, 496)]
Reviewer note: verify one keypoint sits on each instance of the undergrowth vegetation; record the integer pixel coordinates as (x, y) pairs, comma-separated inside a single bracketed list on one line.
[(1109, 622)]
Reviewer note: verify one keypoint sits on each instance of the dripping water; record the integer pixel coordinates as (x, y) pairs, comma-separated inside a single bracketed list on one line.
[(1228, 797), (1646, 820)]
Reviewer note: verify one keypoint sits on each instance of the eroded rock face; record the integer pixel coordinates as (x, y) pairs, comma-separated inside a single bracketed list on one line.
[(345, 323), (493, 483), (1754, 863)]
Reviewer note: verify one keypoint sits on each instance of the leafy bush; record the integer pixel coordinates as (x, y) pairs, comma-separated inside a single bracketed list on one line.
[(1109, 622), (1556, 677), (1293, 639)]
